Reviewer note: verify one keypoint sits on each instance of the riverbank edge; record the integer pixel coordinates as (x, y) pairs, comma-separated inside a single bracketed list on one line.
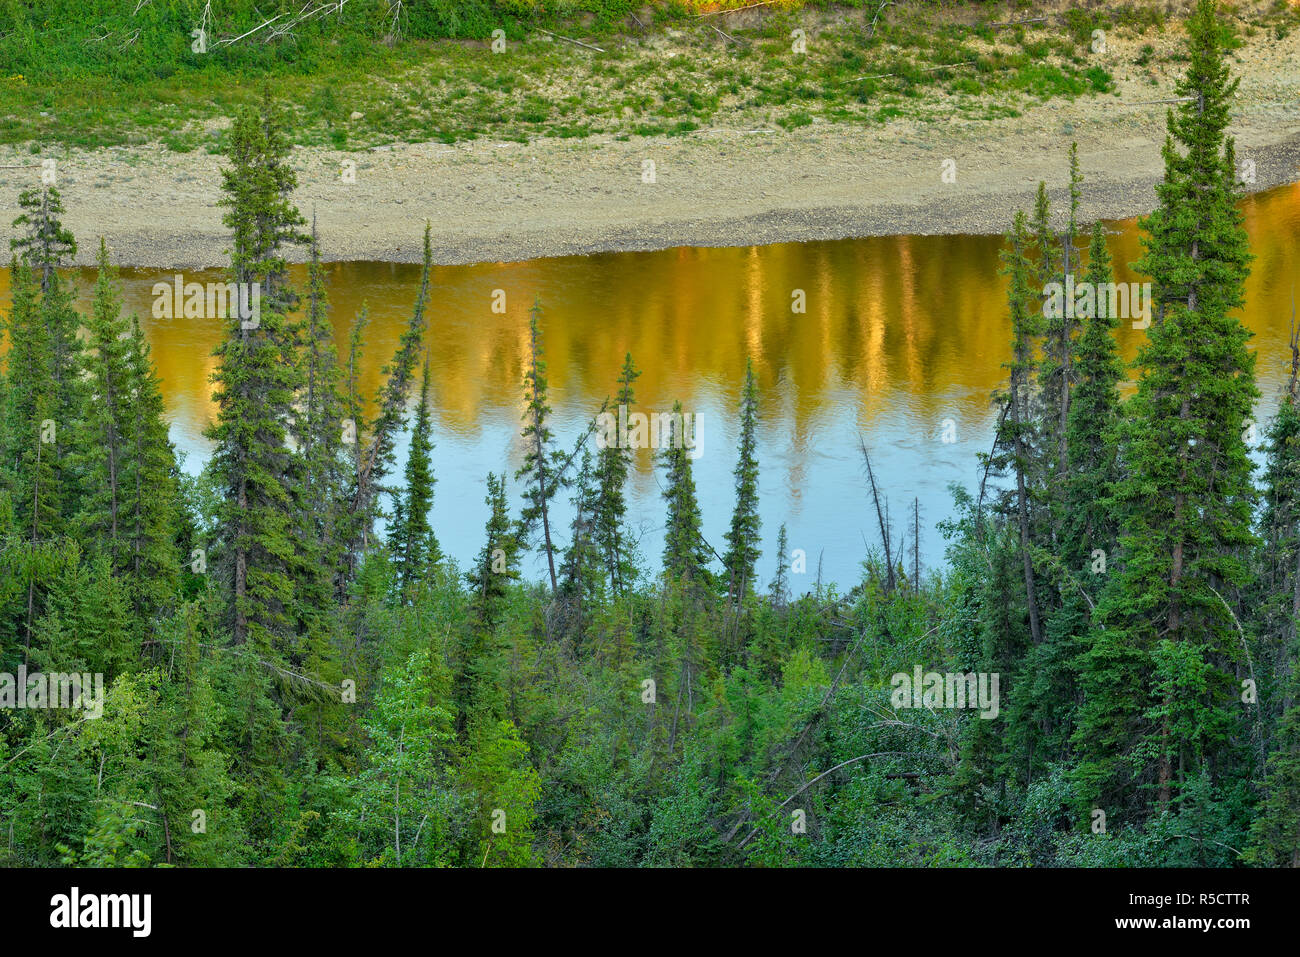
[(986, 208)]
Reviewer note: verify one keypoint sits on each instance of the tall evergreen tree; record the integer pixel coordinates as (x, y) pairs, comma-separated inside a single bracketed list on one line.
[(1018, 435), (1093, 416), (1161, 710), (1276, 600), (129, 511), (581, 570), (1276, 591), (318, 495), (1056, 373), (257, 383), (32, 399), (410, 537), (353, 519), (35, 478), (781, 581), (257, 474), (1043, 707), (613, 463), (742, 537), (45, 242), (48, 246), (319, 429), (105, 430), (489, 579), (542, 462), (686, 556), (151, 501), (377, 459)]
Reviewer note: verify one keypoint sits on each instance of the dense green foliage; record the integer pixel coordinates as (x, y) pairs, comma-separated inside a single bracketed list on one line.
[(283, 686), (375, 71), (154, 38)]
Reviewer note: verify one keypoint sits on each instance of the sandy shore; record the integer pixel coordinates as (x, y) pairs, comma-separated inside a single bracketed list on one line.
[(492, 201)]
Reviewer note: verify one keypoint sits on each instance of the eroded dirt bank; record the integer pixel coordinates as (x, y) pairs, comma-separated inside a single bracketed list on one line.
[(492, 201)]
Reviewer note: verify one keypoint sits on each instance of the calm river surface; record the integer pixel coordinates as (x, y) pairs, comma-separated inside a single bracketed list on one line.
[(900, 334)]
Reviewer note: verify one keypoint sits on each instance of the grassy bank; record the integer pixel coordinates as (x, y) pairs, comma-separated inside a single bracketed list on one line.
[(98, 74)]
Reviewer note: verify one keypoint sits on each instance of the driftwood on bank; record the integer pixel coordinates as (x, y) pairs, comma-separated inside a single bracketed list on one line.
[(714, 13), (571, 40), (929, 69)]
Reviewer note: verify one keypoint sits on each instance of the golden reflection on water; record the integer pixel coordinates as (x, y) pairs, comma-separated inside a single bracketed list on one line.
[(899, 334)]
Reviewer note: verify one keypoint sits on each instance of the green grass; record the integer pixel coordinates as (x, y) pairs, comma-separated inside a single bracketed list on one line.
[(434, 84)]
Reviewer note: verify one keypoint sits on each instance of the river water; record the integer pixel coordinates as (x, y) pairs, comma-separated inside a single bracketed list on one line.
[(901, 343)]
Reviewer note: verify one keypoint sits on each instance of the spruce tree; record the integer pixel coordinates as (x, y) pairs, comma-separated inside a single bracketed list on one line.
[(1056, 373), (377, 459), (581, 570), (104, 422), (1018, 435), (129, 510), (32, 401), (348, 526), (410, 537), (686, 556), (1276, 592), (1093, 417), (1185, 500), (44, 241), (495, 566), (613, 463), (257, 389), (318, 495), (1044, 238), (319, 429), (742, 537), (151, 504), (542, 462), (1043, 707), (1276, 600), (1275, 830), (257, 383), (48, 246), (781, 582), (489, 579)]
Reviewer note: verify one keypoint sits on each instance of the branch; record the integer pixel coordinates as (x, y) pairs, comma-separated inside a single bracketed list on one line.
[(880, 517), (931, 69), (252, 31), (571, 40), (1177, 99), (1202, 840), (727, 36), (872, 32), (714, 13), (1016, 23), (1240, 631), (842, 764)]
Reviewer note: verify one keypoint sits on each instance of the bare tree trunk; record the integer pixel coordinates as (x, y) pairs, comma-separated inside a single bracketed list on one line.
[(241, 567), (880, 517), (546, 512), (916, 545), (1022, 509)]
